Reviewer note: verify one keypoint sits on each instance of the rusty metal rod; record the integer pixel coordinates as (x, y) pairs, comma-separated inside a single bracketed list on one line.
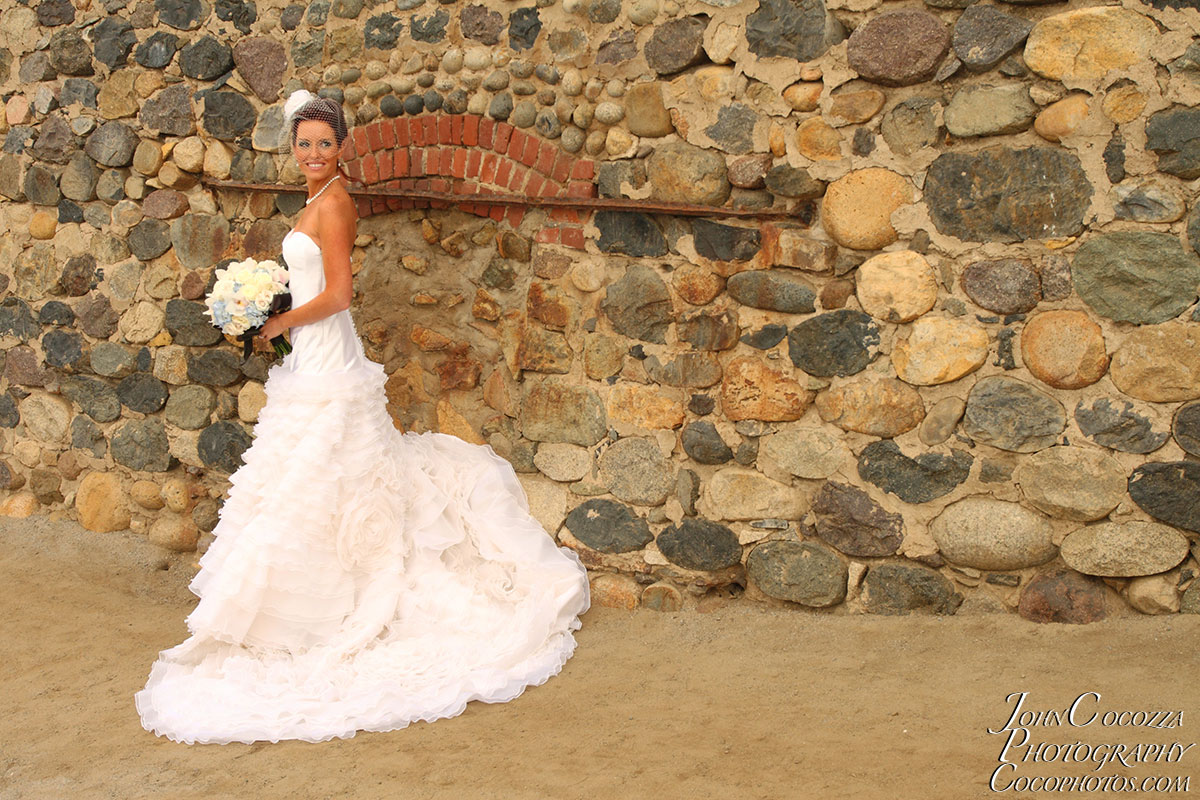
[(586, 203)]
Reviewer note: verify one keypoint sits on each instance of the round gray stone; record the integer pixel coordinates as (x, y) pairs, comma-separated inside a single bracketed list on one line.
[(1136, 276), (808, 573), (608, 526), (1124, 550), (635, 471), (141, 445), (700, 544), (190, 407), (1013, 415)]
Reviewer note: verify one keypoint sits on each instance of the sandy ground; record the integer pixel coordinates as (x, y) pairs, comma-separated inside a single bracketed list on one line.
[(741, 702)]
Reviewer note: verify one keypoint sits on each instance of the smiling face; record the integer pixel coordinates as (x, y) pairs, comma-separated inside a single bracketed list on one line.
[(316, 150)]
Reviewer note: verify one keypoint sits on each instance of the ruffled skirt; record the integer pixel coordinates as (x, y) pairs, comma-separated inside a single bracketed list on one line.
[(362, 579)]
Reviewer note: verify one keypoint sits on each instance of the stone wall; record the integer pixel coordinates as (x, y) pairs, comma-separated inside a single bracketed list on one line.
[(960, 366)]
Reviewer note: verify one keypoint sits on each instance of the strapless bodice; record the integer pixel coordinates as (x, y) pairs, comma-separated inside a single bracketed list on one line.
[(327, 345)]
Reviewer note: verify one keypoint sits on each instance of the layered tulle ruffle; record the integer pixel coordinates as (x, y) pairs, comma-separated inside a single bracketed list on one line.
[(362, 579)]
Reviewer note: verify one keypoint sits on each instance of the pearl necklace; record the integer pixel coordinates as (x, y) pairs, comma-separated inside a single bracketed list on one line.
[(308, 200)]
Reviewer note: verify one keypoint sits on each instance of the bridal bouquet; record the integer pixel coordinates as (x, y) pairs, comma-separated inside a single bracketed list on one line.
[(245, 294)]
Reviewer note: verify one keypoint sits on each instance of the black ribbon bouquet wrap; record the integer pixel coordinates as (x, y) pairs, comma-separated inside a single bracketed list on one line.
[(279, 303)]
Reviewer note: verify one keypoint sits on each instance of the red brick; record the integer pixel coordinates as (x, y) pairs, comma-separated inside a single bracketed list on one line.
[(516, 145), (497, 213), (518, 178), (551, 189), (466, 187), (565, 215), (354, 170), (364, 207), (439, 185), (378, 205), (360, 140), (584, 170), (385, 164), (401, 126), (416, 132), (458, 163), (470, 134), (374, 137), (487, 169), (444, 130), (545, 160), (530, 156), (573, 237), (486, 127), (387, 132), (433, 161), (429, 125), (370, 169), (349, 151), (422, 185), (581, 189), (514, 215), (503, 133), (416, 165), (534, 186), (503, 172), (473, 161), (400, 163), (456, 129), (394, 203), (547, 236), (562, 168)]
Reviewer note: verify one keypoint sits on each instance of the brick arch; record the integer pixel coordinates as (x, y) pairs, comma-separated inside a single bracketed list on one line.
[(466, 154)]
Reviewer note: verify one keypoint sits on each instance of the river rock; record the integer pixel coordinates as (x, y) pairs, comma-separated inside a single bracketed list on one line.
[(940, 350), (1063, 595), (689, 370), (141, 445), (1061, 119), (914, 480), (644, 407), (704, 444), (169, 112), (1153, 200), (851, 521), (753, 390), (70, 53), (563, 462), (800, 572), (112, 144), (1013, 415), (1172, 136), (1082, 45), (1124, 550), (1159, 363), (801, 32), (679, 172), (1072, 483), (803, 451), (608, 526), (1005, 286), (100, 503), (142, 392), (774, 290), (1064, 349), (1007, 194), (857, 208), (736, 493), (261, 61), (94, 397), (1169, 491), (984, 110), (562, 412), (983, 36), (1116, 425), (725, 242), (676, 45), (878, 407), (700, 544), (896, 286), (898, 588), (639, 305), (1136, 276), (898, 48), (837, 343), (190, 407), (984, 533)]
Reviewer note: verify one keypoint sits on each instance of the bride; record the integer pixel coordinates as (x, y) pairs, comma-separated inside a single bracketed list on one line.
[(360, 578)]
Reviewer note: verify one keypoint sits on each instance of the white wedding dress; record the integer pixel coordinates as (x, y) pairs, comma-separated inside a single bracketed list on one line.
[(360, 578)]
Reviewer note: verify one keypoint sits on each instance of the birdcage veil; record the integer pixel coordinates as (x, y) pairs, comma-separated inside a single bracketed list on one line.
[(303, 105)]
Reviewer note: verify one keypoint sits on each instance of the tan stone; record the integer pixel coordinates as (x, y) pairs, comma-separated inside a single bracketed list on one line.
[(752, 390), (818, 140), (170, 365), (28, 453), (857, 209), (1075, 483), (406, 386), (587, 275), (697, 285), (857, 106), (1064, 349), (644, 407), (415, 264), (43, 224), (1154, 594), (46, 417), (618, 142), (250, 401), (428, 339), (804, 96), (1159, 363), (451, 422), (603, 356), (940, 350), (485, 306), (116, 97), (172, 177), (147, 495), (188, 154), (179, 494), (1063, 118), (147, 83), (879, 407), (141, 323), (796, 250), (736, 493), (1124, 103), (1085, 44), (896, 287), (645, 112), (147, 157), (174, 533), (19, 505), (101, 504), (609, 590), (776, 139), (17, 110), (500, 391), (218, 161)]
